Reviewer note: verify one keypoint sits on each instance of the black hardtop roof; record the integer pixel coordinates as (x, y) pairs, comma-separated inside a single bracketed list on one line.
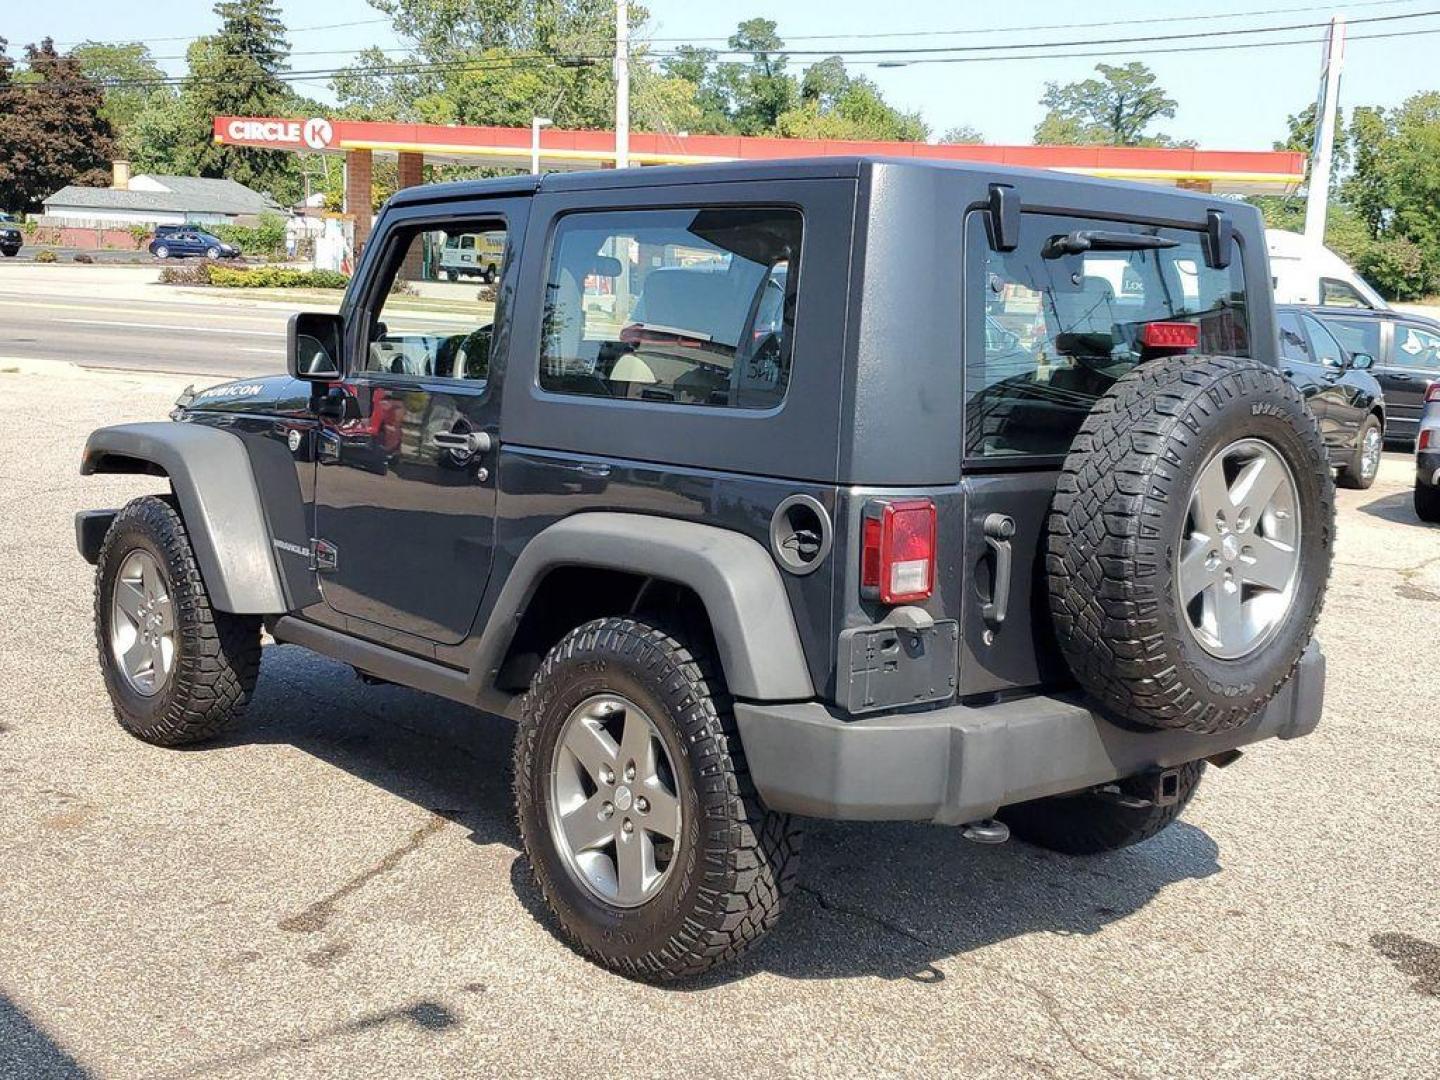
[(811, 168)]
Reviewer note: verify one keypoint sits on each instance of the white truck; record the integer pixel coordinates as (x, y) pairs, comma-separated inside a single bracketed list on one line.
[(1307, 273)]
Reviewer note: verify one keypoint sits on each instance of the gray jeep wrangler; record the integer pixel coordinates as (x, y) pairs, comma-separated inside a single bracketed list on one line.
[(844, 488)]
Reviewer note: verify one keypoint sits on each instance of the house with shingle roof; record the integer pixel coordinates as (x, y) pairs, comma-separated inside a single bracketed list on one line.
[(152, 199)]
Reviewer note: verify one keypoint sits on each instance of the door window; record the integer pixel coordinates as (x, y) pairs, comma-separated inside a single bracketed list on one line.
[(1293, 346), (1357, 335), (1416, 348), (1336, 293), (427, 327), (687, 306), (1328, 351), (1061, 325)]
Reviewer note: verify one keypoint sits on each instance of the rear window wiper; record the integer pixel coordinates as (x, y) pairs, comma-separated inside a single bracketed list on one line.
[(1098, 240)]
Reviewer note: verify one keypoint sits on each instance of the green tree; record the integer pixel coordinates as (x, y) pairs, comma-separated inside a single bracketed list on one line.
[(1115, 110), (760, 89), (125, 63), (51, 130), (962, 134), (696, 67)]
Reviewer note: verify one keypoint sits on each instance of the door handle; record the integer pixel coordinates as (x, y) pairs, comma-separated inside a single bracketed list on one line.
[(1400, 376), (998, 529), (466, 442)]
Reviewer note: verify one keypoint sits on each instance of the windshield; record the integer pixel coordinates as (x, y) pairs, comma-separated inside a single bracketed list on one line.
[(1060, 326)]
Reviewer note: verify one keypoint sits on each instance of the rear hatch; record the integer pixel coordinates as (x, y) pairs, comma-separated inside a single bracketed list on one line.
[(1050, 326)]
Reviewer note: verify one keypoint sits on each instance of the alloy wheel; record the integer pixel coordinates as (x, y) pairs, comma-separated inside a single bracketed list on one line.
[(615, 813), (142, 624), (1239, 558)]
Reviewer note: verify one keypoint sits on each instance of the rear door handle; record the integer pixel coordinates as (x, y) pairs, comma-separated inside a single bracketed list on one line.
[(466, 442), (998, 529)]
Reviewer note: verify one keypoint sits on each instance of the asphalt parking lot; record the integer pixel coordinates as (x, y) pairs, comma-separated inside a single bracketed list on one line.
[(336, 889)]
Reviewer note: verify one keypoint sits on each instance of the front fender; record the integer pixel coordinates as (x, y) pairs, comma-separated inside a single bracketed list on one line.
[(210, 473), (734, 576)]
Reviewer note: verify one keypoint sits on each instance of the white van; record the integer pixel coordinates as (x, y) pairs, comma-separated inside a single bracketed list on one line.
[(472, 255), (1303, 273)]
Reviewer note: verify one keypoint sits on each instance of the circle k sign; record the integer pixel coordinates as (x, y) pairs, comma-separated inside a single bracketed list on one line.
[(317, 133)]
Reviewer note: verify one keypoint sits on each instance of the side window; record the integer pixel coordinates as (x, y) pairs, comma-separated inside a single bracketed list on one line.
[(1293, 346), (1336, 293), (1416, 348), (1357, 335), (686, 306), (1063, 319), (1327, 350), (433, 323)]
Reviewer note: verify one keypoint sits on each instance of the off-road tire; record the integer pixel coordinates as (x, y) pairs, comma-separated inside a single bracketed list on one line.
[(1089, 823), (1114, 534), (1427, 503), (735, 862), (217, 656), (1352, 473)]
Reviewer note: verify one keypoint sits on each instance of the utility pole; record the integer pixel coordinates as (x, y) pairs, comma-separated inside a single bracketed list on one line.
[(1317, 198), (622, 85), (536, 123)]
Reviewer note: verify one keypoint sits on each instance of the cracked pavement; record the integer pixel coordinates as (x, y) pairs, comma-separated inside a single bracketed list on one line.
[(336, 890)]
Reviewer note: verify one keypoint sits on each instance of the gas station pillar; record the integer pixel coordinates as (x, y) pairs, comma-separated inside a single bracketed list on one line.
[(359, 177)]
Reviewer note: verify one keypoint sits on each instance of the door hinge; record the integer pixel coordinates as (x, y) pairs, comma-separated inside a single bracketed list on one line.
[(324, 556)]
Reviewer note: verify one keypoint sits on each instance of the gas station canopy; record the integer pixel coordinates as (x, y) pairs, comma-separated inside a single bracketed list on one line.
[(1231, 172)]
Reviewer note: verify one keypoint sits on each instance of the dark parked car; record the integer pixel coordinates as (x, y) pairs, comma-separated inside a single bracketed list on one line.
[(1345, 397), (845, 488), (1406, 349), (10, 237), (179, 241), (1427, 458)]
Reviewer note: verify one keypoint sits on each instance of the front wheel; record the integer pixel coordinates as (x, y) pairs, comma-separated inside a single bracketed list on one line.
[(10, 253), (636, 811), (1094, 822), (1364, 465), (162, 252), (177, 670)]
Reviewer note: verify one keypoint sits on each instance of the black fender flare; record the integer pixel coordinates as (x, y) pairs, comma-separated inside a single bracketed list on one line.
[(734, 576), (211, 476)]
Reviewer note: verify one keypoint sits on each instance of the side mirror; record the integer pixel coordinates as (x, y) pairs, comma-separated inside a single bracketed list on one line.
[(1361, 361), (315, 348)]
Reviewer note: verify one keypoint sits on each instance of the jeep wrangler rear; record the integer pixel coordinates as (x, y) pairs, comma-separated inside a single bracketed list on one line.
[(843, 488)]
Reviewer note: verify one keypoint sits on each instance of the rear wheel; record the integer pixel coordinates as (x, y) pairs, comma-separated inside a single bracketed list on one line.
[(636, 810), (1427, 503), (177, 670), (162, 252), (1093, 822), (1364, 465), (1190, 542)]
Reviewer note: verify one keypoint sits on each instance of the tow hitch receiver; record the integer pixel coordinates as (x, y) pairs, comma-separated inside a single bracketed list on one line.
[(1155, 787)]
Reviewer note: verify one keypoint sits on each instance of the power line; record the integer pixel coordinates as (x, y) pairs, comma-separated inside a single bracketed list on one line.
[(1008, 46), (196, 37), (873, 34)]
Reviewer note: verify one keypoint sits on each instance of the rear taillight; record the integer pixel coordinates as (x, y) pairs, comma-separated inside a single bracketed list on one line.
[(898, 551), (1170, 335), (1426, 438), (1432, 393)]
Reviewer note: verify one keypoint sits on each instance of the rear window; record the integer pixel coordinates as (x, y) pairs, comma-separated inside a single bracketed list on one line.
[(686, 306), (1061, 326)]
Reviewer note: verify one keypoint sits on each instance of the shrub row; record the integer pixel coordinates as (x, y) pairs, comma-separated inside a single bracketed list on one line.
[(203, 272)]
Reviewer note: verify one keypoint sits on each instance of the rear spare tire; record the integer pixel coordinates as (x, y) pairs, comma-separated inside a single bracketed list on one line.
[(1190, 542)]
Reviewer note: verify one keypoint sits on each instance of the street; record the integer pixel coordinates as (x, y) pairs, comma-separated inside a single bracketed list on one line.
[(336, 888), (53, 312)]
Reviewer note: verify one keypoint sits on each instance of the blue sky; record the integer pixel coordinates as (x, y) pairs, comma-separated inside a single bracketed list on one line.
[(1227, 99)]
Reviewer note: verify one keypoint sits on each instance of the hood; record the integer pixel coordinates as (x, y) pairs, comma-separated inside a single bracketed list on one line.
[(268, 394)]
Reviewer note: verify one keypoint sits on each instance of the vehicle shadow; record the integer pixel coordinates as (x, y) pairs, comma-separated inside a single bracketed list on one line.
[(877, 899), (26, 1050), (1399, 508)]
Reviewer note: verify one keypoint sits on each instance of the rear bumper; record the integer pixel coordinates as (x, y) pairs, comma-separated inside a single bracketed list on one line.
[(1427, 468), (963, 763)]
